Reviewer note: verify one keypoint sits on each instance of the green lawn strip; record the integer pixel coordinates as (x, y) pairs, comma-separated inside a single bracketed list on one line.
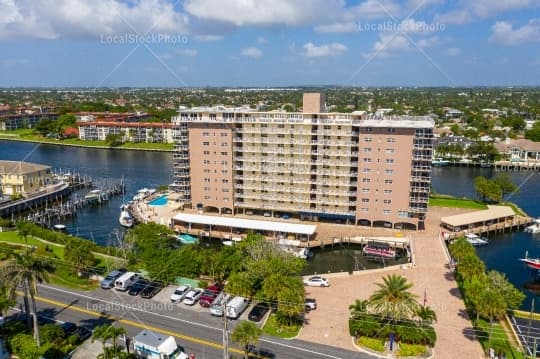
[(499, 339), (13, 237), (438, 201), (375, 344), (273, 328)]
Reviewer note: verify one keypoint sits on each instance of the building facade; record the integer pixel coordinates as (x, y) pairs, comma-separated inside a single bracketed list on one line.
[(16, 122), (23, 178), (131, 131), (352, 168)]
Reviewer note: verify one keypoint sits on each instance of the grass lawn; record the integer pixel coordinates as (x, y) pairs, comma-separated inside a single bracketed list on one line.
[(499, 339), (455, 203), (13, 237), (273, 328), (29, 135)]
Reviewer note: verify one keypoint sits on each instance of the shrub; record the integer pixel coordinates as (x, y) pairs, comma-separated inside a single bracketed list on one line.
[(203, 284), (365, 325), (372, 343), (411, 350)]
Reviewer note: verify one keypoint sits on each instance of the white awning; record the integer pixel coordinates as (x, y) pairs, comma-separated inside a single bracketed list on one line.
[(246, 223)]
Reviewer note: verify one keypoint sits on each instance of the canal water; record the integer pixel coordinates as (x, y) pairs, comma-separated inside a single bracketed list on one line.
[(151, 169)]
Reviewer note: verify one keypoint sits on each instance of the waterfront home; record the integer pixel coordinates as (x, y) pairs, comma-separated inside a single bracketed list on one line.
[(519, 150), (23, 178)]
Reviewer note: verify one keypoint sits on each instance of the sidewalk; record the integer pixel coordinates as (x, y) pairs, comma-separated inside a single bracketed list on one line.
[(455, 338)]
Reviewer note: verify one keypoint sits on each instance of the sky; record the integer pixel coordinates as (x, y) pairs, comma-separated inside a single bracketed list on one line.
[(253, 43)]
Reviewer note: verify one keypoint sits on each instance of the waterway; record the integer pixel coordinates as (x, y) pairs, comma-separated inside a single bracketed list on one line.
[(150, 169)]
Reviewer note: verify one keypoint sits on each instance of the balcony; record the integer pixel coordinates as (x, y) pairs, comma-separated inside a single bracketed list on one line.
[(420, 189)]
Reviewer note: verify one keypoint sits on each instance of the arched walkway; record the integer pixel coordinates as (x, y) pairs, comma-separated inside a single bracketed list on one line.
[(405, 226), (210, 209), (382, 224), (363, 222), (226, 210)]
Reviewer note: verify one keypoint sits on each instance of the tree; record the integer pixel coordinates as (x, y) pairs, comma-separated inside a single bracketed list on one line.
[(24, 346), (104, 333), (505, 183), (246, 334), (114, 139), (6, 301), (358, 308), (79, 253), (460, 248), (27, 271), (491, 306), (240, 283), (393, 298), (471, 266), (45, 126), (487, 190), (512, 296)]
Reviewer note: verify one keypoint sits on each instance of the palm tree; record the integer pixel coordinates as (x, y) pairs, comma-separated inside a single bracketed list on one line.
[(115, 333), (393, 298), (102, 334), (6, 301), (26, 271), (358, 308), (105, 332), (426, 314), (246, 334)]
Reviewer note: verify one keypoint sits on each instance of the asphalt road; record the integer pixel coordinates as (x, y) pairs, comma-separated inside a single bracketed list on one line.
[(528, 335), (195, 329)]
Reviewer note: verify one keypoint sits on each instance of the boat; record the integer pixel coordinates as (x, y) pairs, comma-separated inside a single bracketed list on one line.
[(125, 218), (533, 263), (59, 227), (293, 247), (476, 240), (533, 228), (439, 162), (379, 249), (93, 195)]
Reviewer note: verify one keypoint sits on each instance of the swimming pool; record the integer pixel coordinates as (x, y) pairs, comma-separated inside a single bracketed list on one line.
[(160, 201), (186, 238)]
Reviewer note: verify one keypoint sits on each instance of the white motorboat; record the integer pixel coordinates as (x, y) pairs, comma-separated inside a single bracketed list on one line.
[(476, 240), (125, 217), (59, 227), (534, 228), (292, 247)]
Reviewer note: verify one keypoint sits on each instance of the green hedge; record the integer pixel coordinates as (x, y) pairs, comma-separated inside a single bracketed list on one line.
[(411, 350)]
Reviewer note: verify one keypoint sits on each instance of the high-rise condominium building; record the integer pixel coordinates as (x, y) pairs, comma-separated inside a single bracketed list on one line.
[(315, 165)]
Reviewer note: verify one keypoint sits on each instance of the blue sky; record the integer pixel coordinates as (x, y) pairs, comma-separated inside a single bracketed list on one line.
[(269, 42)]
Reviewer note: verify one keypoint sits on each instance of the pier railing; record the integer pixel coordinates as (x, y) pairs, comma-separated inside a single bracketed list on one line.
[(515, 224)]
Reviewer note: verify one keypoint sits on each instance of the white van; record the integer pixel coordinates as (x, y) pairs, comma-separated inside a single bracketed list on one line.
[(236, 306), (125, 281)]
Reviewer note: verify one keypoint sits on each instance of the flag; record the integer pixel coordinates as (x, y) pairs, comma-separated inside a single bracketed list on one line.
[(425, 297)]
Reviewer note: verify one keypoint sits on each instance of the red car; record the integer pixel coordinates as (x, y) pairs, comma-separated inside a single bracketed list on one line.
[(209, 295)]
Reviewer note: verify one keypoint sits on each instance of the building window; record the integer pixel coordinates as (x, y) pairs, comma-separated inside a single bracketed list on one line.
[(390, 140), (389, 172), (207, 189), (391, 129), (224, 153), (365, 209), (206, 152), (224, 144), (206, 134), (367, 160), (224, 181), (224, 163), (224, 190), (223, 134), (207, 197), (365, 190), (387, 211), (387, 201), (206, 143), (367, 170), (206, 162), (390, 161), (365, 200), (388, 181), (366, 180), (390, 150), (403, 214), (367, 149), (387, 191), (207, 180), (368, 139), (224, 172), (369, 129)]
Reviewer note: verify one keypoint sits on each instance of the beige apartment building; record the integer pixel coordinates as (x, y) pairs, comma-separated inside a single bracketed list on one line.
[(23, 178), (341, 167)]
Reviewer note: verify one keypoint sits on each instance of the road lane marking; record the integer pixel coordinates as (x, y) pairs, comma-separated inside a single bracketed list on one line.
[(116, 304)]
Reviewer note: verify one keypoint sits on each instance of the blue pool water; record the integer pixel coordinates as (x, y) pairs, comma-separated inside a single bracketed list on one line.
[(187, 239), (160, 201)]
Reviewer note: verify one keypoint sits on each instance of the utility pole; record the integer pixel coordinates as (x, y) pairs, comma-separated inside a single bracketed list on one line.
[(225, 329)]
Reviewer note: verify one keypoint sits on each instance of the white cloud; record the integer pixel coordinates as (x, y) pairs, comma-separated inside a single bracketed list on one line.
[(468, 10), (388, 43), (427, 42), (187, 52), (264, 12), (338, 27), (504, 33), (261, 40), (333, 49), (251, 52), (81, 18), (452, 51), (375, 9)]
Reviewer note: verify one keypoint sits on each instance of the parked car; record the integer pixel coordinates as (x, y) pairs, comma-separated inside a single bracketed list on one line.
[(125, 281), (68, 328), (258, 312), (193, 296), (151, 289), (137, 287), (83, 333), (317, 281), (310, 304), (236, 306), (179, 293), (217, 305), (108, 281), (209, 295)]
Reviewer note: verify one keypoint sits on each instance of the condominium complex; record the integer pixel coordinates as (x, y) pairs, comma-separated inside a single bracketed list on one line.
[(130, 131), (315, 165)]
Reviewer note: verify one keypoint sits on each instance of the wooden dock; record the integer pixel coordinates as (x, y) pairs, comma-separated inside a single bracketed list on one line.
[(518, 223)]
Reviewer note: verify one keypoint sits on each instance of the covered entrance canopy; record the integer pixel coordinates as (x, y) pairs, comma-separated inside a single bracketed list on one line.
[(247, 224)]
